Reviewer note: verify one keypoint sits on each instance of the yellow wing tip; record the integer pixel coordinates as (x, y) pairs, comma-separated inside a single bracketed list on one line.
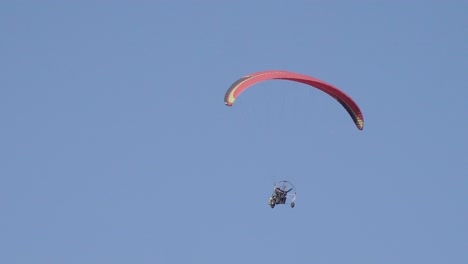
[(360, 124), (230, 99)]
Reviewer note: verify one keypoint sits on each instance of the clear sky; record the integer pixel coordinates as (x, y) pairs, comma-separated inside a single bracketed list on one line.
[(116, 145)]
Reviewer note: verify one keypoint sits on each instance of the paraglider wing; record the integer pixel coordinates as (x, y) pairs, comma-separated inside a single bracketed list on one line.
[(249, 80)]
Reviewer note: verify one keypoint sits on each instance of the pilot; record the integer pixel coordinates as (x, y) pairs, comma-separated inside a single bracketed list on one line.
[(281, 195)]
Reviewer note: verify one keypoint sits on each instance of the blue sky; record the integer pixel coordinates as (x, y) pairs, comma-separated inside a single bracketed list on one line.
[(116, 146)]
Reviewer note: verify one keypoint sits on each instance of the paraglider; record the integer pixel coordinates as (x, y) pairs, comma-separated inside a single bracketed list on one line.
[(284, 192), (249, 80)]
